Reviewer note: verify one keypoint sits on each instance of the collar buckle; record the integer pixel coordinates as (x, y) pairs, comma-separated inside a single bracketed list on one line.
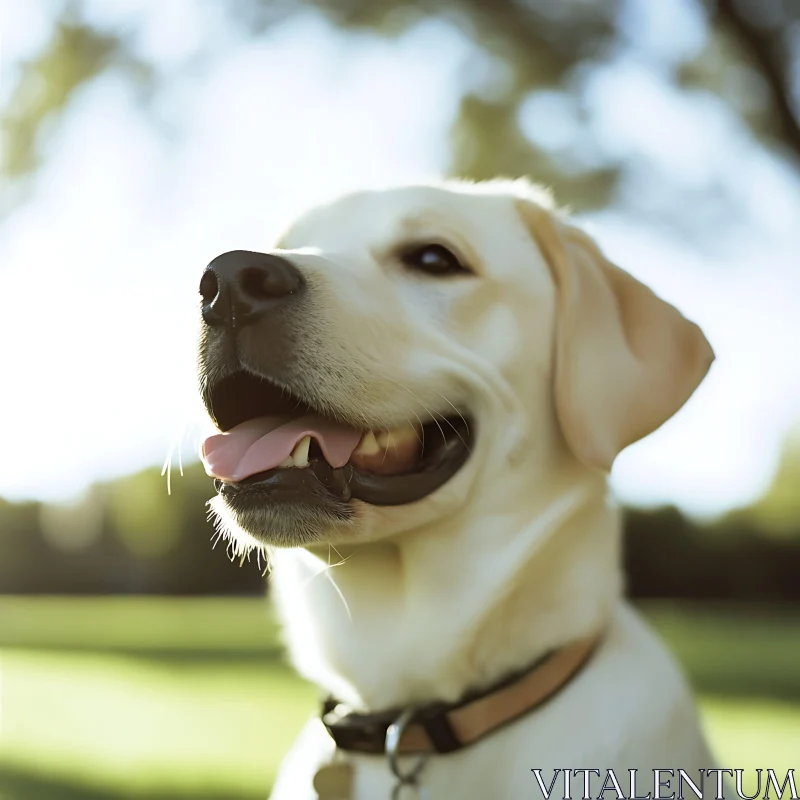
[(353, 731)]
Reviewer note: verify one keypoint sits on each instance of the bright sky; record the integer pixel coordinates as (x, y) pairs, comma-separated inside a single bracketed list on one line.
[(100, 268)]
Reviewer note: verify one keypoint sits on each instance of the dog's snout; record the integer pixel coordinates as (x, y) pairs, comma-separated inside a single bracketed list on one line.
[(239, 287)]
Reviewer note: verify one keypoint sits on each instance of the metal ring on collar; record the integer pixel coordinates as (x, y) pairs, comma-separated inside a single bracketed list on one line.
[(393, 735)]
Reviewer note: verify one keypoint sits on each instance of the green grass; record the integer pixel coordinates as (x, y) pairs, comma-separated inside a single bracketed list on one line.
[(733, 652), (104, 699), (144, 626), (151, 727)]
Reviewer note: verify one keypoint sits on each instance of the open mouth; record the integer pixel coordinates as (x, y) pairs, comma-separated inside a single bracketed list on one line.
[(275, 445)]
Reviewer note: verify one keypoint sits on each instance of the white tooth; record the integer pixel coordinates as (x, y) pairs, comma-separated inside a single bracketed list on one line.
[(287, 462), (300, 452), (368, 445)]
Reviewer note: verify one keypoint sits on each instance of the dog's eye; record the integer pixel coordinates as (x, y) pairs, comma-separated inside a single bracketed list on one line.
[(434, 259)]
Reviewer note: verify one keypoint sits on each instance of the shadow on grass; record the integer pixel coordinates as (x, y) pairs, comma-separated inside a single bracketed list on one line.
[(17, 784)]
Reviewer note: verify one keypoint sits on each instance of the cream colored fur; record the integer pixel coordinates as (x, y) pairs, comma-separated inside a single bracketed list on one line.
[(520, 552)]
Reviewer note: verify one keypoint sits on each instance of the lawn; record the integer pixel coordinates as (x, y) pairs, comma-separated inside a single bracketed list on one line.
[(166, 699)]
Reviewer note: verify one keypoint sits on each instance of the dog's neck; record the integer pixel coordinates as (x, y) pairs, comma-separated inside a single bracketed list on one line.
[(429, 615)]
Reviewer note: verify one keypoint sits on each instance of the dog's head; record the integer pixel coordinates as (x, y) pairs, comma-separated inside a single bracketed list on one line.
[(403, 350)]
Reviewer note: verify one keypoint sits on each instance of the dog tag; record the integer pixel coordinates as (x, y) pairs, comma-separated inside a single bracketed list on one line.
[(408, 791), (334, 781)]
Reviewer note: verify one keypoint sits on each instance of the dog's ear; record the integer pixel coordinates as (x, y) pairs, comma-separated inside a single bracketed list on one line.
[(625, 360)]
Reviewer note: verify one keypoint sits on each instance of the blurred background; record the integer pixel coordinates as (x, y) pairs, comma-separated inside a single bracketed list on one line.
[(142, 138)]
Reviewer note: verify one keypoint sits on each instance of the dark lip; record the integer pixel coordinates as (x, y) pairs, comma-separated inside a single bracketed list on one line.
[(322, 485)]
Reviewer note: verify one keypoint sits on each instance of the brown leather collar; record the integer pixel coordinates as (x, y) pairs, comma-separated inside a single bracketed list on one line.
[(447, 727)]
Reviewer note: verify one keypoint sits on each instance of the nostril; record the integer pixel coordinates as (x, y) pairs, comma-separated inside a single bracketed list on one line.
[(258, 283), (209, 287), (240, 286)]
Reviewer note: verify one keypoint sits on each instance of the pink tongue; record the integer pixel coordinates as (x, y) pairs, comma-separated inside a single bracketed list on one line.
[(261, 444)]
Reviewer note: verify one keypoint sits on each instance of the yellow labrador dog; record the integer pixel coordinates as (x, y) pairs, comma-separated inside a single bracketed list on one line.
[(418, 395)]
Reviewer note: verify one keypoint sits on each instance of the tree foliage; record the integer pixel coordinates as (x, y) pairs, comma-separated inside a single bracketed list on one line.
[(525, 46), (146, 541), (75, 54)]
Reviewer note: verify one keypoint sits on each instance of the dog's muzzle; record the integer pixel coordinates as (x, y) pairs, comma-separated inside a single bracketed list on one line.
[(282, 444)]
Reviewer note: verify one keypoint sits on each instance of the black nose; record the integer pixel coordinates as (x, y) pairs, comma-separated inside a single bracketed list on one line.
[(241, 286)]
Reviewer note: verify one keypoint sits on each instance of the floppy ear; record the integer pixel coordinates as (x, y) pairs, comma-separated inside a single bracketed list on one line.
[(625, 360)]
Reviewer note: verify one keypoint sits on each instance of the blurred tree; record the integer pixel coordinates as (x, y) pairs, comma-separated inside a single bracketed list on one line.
[(778, 511), (148, 542), (525, 47), (75, 54), (74, 525), (765, 35), (141, 513), (156, 543)]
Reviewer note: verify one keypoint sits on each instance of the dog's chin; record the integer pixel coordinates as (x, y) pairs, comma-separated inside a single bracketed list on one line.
[(246, 521)]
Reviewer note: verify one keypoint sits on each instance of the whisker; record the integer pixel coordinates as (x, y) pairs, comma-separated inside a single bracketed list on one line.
[(443, 417), (339, 592), (389, 442), (421, 434), (180, 451), (167, 468), (455, 430), (342, 559), (326, 572), (458, 413)]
